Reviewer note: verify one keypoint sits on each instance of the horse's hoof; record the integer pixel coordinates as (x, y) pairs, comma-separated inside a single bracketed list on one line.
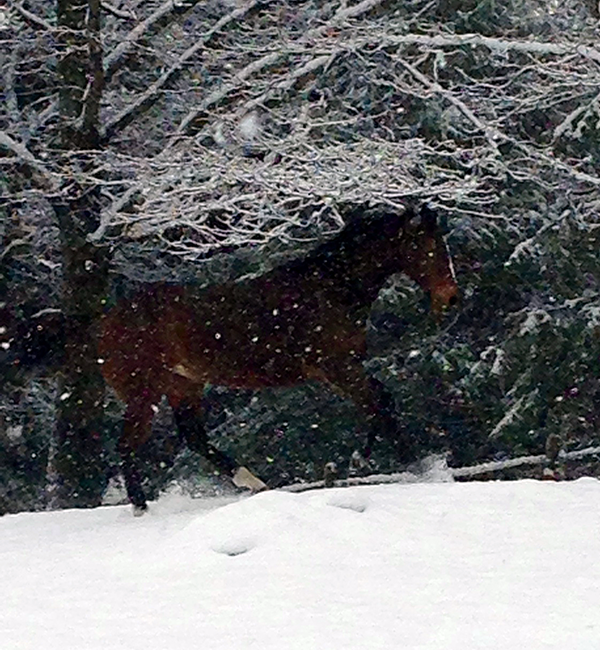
[(244, 478), (359, 465), (330, 473), (138, 511)]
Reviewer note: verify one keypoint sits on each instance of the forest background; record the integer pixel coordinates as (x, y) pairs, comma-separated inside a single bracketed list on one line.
[(194, 141)]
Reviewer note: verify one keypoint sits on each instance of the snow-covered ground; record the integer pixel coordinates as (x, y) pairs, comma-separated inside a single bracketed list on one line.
[(432, 565)]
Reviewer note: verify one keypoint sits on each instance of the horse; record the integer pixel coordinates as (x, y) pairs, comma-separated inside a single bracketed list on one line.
[(303, 321)]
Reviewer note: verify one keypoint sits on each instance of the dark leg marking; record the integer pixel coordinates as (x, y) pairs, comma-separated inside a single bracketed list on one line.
[(133, 481), (187, 418)]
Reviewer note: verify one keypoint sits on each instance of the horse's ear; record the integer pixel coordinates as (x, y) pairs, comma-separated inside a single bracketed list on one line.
[(390, 223), (443, 226), (411, 217), (428, 218)]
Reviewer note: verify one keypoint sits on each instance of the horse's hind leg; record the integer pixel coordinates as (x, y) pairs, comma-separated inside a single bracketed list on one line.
[(188, 420), (189, 424), (137, 428), (348, 379), (379, 411)]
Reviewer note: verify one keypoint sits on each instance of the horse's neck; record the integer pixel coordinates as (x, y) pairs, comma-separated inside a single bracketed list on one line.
[(356, 279)]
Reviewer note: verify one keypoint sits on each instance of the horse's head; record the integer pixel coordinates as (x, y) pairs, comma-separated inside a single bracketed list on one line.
[(428, 262)]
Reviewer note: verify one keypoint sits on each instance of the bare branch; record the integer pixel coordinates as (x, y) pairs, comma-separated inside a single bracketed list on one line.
[(193, 181), (118, 13), (33, 19), (343, 15), (567, 124), (44, 176), (491, 135), (148, 98), (498, 45), (112, 61)]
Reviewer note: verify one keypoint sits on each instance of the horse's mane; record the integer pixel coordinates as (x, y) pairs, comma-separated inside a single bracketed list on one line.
[(361, 227)]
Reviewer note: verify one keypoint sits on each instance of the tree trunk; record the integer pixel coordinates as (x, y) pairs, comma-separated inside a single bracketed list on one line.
[(79, 460)]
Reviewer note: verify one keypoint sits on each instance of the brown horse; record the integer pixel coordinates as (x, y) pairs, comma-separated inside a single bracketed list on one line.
[(305, 320)]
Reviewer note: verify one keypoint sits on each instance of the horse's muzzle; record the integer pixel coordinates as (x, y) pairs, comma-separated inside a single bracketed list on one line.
[(443, 298)]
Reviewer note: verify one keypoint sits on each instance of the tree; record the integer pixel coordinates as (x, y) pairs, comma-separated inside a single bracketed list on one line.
[(206, 127), (85, 265)]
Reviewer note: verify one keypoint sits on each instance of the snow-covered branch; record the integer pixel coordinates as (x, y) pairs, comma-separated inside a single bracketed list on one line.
[(32, 18), (498, 46), (257, 200), (343, 15), (142, 30), (46, 178), (338, 104), (146, 99)]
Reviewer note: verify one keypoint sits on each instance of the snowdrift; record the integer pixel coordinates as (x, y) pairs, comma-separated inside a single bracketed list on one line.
[(429, 565)]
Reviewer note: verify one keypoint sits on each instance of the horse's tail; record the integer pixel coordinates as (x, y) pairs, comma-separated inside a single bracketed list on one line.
[(31, 342)]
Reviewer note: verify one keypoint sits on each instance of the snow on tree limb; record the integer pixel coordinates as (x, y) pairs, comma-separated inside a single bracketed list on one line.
[(46, 178), (132, 111), (32, 18), (112, 61), (491, 135), (377, 84), (195, 182), (343, 15), (140, 31), (119, 13), (497, 45), (566, 126)]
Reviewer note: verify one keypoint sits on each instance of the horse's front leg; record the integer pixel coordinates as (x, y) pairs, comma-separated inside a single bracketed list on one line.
[(348, 379), (380, 415), (188, 417), (137, 428)]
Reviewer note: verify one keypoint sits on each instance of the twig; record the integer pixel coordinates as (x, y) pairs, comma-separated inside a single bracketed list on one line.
[(492, 135), (500, 45), (119, 13), (32, 18), (343, 15), (45, 177), (147, 99), (454, 472), (112, 61), (572, 117)]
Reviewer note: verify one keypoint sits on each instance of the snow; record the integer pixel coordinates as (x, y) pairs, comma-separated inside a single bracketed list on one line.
[(426, 565)]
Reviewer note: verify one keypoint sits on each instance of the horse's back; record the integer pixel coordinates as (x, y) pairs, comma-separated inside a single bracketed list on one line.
[(142, 340), (265, 332)]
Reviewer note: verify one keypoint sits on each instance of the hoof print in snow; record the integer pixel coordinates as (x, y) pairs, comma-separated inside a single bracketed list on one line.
[(233, 548), (348, 504)]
